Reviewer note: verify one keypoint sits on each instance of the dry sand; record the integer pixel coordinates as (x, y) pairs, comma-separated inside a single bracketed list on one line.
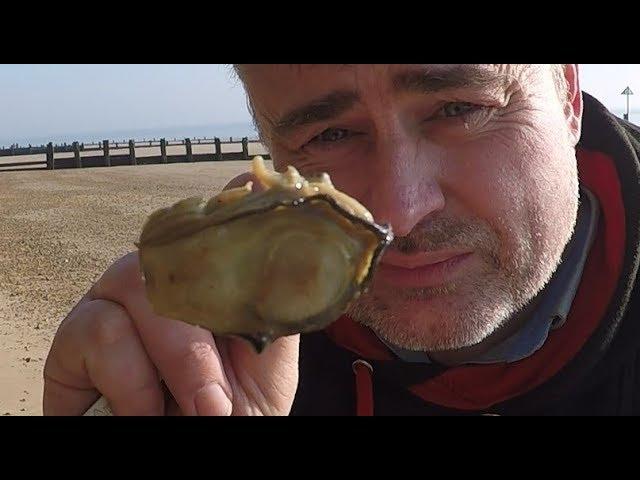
[(60, 230)]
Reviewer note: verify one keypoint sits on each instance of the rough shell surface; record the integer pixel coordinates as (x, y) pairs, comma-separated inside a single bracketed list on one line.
[(261, 264)]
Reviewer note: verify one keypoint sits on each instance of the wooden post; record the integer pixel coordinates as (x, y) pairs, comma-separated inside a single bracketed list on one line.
[(187, 143), (218, 149), (105, 150), (76, 154), (51, 163), (163, 150), (132, 153), (245, 148)]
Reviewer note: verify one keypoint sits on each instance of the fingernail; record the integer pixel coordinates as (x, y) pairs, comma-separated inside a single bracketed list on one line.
[(211, 401)]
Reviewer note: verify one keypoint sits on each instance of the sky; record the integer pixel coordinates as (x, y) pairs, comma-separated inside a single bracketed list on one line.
[(607, 81), (57, 100), (65, 101)]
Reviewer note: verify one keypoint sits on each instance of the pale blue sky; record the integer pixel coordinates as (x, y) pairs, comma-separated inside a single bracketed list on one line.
[(37, 101)]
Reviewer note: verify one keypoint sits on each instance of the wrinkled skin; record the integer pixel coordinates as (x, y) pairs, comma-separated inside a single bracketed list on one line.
[(494, 177), (469, 159)]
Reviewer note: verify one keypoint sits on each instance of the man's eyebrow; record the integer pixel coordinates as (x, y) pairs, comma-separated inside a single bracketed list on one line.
[(460, 76), (425, 81), (321, 109)]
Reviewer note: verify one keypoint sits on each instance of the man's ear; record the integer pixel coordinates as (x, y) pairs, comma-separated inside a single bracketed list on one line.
[(573, 103)]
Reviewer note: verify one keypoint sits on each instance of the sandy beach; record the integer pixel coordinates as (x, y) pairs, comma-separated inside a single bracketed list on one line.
[(60, 230)]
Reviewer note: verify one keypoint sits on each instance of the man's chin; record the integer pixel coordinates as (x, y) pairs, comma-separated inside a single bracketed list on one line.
[(415, 322), (428, 320), (399, 299)]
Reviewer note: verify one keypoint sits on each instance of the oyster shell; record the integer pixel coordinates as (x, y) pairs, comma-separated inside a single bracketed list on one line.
[(261, 265)]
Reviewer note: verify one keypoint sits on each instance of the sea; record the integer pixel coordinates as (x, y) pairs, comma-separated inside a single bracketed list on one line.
[(224, 132)]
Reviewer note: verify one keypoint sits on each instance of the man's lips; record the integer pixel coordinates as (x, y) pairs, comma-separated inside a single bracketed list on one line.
[(424, 269)]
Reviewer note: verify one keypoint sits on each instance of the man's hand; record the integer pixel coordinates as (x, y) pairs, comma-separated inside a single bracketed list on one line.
[(112, 344)]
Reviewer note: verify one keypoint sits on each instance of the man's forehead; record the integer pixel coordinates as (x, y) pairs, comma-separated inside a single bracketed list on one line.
[(389, 69), (289, 96), (393, 77)]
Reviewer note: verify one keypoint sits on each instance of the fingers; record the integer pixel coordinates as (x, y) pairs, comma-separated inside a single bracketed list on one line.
[(186, 356), (242, 179), (189, 363), (113, 344), (264, 383), (98, 351)]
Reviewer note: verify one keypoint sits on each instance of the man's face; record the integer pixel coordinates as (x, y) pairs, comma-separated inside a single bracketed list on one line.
[(472, 165)]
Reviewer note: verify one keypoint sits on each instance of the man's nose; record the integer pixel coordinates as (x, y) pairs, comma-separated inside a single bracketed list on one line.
[(404, 184)]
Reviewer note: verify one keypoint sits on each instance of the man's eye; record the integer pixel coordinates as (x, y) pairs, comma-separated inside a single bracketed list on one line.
[(455, 109), (331, 135)]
